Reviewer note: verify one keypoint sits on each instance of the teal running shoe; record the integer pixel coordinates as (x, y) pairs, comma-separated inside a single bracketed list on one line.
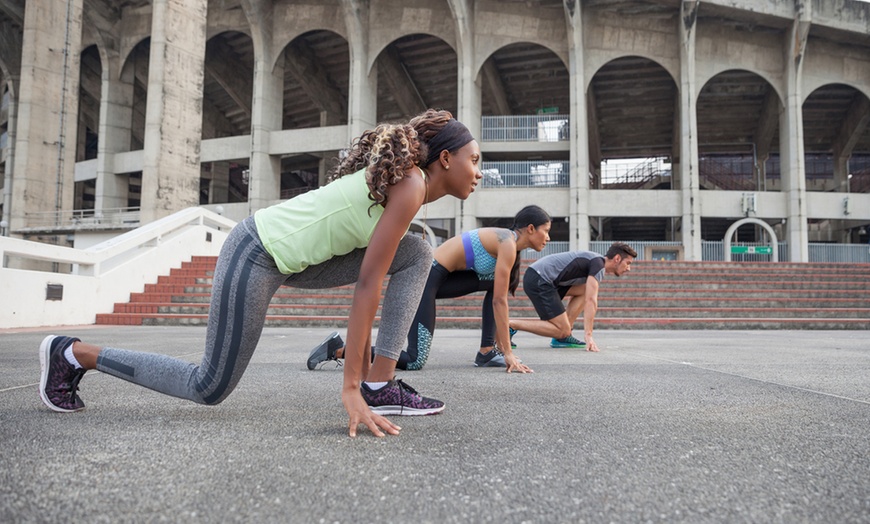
[(567, 342)]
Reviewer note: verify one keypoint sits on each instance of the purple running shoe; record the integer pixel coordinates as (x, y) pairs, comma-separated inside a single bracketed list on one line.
[(398, 398), (59, 380)]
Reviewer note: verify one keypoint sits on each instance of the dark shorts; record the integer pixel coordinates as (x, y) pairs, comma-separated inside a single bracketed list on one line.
[(546, 297)]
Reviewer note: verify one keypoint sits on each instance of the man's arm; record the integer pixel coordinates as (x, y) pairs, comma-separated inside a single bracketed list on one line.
[(589, 310)]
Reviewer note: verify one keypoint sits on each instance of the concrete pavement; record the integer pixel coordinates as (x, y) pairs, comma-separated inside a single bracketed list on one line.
[(661, 426)]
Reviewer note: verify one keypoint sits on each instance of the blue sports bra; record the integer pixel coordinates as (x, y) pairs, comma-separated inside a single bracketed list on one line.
[(477, 258)]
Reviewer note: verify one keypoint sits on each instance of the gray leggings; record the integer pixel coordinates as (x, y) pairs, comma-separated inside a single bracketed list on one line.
[(245, 279)]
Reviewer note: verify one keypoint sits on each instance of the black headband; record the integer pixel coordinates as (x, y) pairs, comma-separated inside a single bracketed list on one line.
[(451, 137)]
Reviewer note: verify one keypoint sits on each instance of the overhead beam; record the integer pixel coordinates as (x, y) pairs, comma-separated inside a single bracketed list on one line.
[(300, 62), (234, 76), (768, 121), (401, 85), (10, 50), (102, 15), (214, 123), (494, 88), (857, 118), (14, 9)]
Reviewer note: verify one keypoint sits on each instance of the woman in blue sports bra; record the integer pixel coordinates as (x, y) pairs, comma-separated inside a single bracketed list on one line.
[(485, 259)]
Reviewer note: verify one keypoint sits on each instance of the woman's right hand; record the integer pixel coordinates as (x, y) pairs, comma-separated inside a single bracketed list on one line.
[(360, 413), (514, 364)]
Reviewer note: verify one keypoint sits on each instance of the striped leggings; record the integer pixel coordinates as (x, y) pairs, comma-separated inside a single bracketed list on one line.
[(245, 279)]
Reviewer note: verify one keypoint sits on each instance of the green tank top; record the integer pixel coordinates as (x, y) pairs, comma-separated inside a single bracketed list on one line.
[(313, 227)]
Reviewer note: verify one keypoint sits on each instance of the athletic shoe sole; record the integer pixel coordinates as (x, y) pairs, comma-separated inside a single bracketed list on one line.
[(404, 410)]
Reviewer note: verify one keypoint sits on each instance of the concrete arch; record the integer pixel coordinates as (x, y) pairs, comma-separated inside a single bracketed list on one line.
[(484, 55), (402, 74), (131, 46), (125, 61), (279, 53), (819, 83), (282, 46), (376, 53), (764, 75), (594, 68), (774, 254), (312, 85), (505, 95)]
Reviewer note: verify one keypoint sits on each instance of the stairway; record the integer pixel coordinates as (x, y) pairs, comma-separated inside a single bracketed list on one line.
[(655, 295)]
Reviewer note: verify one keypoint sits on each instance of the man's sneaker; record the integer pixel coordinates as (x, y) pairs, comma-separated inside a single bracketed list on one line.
[(567, 342), (512, 332), (59, 380), (398, 398), (493, 359), (325, 350)]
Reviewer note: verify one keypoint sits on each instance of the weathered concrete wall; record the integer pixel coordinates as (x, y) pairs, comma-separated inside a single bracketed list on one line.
[(47, 104)]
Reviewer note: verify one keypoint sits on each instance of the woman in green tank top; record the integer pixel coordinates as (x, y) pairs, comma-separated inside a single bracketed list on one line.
[(351, 230)]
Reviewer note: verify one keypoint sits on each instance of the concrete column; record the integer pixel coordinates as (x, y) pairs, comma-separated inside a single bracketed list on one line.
[(689, 178), (362, 103), (264, 183), (173, 117), (218, 174), (791, 140), (841, 172), (578, 227), (469, 99), (46, 129), (264, 186), (8, 167), (116, 120)]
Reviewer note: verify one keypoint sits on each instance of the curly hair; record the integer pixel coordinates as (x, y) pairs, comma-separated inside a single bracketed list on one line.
[(389, 150)]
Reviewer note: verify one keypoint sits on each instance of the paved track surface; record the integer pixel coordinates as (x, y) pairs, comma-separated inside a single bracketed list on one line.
[(661, 426)]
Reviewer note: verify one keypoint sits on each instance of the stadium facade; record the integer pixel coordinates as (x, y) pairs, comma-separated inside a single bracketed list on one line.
[(666, 122)]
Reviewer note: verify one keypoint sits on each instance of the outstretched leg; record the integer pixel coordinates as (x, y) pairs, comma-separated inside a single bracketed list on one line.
[(245, 279)]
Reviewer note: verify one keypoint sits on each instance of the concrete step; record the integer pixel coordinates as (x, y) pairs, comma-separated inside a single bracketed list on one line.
[(655, 295)]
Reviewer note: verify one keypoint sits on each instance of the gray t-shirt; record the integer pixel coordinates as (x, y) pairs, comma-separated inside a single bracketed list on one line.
[(571, 268)]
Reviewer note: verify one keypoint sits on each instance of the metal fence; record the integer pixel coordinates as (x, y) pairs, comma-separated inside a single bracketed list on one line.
[(843, 253), (549, 127), (525, 174), (715, 251)]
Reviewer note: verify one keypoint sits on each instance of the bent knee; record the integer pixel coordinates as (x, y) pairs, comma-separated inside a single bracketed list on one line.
[(416, 246)]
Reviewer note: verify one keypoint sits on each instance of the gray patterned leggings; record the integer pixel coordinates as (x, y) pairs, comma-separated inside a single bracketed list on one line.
[(245, 279)]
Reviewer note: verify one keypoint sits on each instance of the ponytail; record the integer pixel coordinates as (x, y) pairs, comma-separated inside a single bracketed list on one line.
[(529, 215)]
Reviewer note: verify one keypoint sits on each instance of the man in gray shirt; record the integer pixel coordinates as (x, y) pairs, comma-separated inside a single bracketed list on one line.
[(575, 274)]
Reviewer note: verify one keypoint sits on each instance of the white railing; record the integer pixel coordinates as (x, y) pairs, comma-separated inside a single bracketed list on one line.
[(92, 280), (83, 218), (525, 174), (549, 127)]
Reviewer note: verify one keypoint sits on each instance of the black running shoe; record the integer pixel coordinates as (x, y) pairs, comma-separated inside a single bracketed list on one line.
[(325, 350), (493, 359), (59, 380), (398, 398)]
